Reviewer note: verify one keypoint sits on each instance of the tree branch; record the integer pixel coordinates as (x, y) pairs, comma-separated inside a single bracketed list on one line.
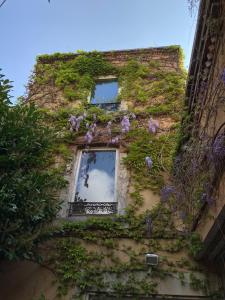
[(2, 3)]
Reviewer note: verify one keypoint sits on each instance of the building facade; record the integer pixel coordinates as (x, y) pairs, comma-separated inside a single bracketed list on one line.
[(119, 233), (205, 109)]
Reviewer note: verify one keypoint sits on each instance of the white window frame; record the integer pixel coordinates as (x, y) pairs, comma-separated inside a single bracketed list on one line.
[(77, 168)]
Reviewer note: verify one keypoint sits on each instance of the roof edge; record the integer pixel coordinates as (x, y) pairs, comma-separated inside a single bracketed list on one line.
[(50, 58)]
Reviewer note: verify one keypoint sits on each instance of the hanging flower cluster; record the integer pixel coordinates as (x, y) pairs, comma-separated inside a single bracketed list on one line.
[(218, 150), (153, 126), (75, 122), (109, 128), (207, 198), (166, 193), (148, 162), (91, 132), (115, 140), (125, 124), (223, 76)]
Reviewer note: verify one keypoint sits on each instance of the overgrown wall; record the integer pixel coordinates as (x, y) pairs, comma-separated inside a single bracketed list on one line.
[(107, 254)]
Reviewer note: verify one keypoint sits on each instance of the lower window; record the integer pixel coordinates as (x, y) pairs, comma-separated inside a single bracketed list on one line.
[(95, 184)]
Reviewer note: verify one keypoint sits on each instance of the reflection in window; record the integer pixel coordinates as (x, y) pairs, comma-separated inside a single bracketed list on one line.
[(105, 92), (95, 186)]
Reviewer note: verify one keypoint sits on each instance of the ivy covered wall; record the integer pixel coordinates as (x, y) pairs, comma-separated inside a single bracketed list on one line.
[(107, 254)]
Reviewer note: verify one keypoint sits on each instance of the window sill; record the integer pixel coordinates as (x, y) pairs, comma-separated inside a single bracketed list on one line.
[(107, 106)]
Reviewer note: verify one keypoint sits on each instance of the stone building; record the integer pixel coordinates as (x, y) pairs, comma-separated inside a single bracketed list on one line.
[(204, 131), (114, 237)]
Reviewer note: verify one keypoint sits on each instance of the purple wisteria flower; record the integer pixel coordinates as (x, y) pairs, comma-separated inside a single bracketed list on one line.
[(166, 192), (93, 127), (109, 130), (207, 198), (153, 125), (210, 201), (148, 162), (223, 76), (125, 124), (89, 137), (115, 140), (75, 122), (218, 149)]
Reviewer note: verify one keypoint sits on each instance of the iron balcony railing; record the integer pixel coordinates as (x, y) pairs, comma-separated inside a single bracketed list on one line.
[(92, 208)]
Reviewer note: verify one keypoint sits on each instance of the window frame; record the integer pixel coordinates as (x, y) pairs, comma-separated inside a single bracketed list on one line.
[(104, 79), (77, 169)]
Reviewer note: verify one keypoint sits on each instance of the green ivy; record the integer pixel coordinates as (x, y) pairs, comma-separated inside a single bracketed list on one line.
[(160, 148)]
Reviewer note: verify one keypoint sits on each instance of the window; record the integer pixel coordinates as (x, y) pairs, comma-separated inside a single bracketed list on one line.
[(105, 94), (95, 183)]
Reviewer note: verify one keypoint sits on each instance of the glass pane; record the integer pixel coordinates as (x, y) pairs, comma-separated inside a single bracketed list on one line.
[(96, 178), (105, 92)]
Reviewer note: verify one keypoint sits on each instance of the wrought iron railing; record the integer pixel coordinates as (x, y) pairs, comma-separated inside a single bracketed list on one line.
[(92, 208), (108, 106)]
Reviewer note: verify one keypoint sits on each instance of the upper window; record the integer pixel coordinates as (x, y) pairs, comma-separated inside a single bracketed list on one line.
[(105, 94), (95, 186)]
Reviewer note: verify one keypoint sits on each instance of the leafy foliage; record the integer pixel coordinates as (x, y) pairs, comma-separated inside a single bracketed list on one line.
[(27, 193), (160, 149), (75, 76)]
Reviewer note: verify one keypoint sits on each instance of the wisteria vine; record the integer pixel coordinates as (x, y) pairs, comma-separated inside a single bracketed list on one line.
[(201, 163), (125, 125)]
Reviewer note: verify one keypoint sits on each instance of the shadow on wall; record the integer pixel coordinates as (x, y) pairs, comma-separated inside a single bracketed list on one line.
[(26, 281)]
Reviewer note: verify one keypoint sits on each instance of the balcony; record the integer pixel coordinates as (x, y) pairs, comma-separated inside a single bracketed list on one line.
[(92, 208)]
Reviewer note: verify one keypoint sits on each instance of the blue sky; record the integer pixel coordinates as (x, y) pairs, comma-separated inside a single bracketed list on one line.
[(33, 27)]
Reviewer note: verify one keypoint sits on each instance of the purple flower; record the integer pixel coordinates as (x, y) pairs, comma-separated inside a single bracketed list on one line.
[(75, 122), (72, 120), (153, 125), (166, 192), (207, 198), (89, 137), (217, 154), (210, 201), (115, 140), (125, 124), (223, 76), (93, 127), (148, 162), (109, 124)]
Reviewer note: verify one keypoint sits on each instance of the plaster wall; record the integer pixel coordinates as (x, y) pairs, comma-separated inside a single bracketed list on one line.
[(213, 124)]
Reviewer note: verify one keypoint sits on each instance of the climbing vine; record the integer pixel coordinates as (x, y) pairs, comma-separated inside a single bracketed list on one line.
[(108, 253)]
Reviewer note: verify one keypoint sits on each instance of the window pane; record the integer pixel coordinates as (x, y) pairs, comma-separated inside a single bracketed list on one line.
[(96, 178), (105, 92)]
